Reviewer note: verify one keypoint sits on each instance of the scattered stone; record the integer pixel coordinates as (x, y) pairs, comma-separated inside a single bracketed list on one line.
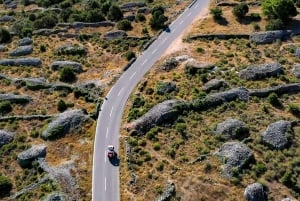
[(168, 192), (232, 129), (25, 41), (269, 36), (214, 84), (30, 61), (64, 123), (5, 137), (57, 65), (70, 49), (255, 192), (114, 34), (15, 98), (193, 67), (165, 87), (160, 114), (296, 71), (297, 53), (3, 48), (233, 155), (261, 71), (278, 134), (56, 196), (7, 18), (22, 51), (26, 157), (169, 64)]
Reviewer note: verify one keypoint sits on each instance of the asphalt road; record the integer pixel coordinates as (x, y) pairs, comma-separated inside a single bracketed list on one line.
[(105, 186)]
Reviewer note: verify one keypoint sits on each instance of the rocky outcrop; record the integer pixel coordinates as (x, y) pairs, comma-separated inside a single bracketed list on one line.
[(214, 84), (269, 36), (169, 64), (114, 34), (261, 71), (3, 48), (168, 192), (232, 129), (30, 61), (233, 155), (160, 114), (193, 66), (278, 135), (26, 157), (63, 123), (15, 98), (70, 49), (10, 4), (56, 196), (165, 87), (216, 99), (255, 192), (25, 41), (22, 51), (48, 32), (132, 5), (32, 83), (57, 65), (78, 25), (7, 18), (5, 137), (296, 71), (279, 90)]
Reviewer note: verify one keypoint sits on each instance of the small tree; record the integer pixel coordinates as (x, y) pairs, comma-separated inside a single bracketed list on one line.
[(124, 25), (158, 19), (67, 74), (115, 13), (140, 17), (4, 35), (5, 185), (217, 13), (129, 55), (61, 105), (240, 10)]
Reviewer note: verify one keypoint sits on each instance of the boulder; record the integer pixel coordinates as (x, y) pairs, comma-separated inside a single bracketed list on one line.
[(7, 18), (261, 71), (144, 10), (22, 51), (278, 134), (30, 61), (233, 155), (169, 64), (3, 48), (168, 192), (255, 192), (114, 34), (32, 83), (214, 84), (25, 41), (296, 71), (63, 123), (15, 98), (26, 157), (297, 53), (161, 113), (269, 36), (57, 65), (232, 129), (165, 87), (5, 137), (56, 196), (193, 66), (69, 49)]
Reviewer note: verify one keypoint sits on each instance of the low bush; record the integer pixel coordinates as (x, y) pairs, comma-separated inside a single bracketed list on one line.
[(61, 105), (5, 36), (274, 24), (67, 74), (5, 107), (124, 25), (5, 185), (217, 13)]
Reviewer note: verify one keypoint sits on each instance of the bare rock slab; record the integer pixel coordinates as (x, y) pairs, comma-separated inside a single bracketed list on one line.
[(25, 41), (269, 36), (64, 123), (255, 192), (261, 71), (57, 65), (30, 61), (232, 129), (22, 51), (26, 157), (115, 34), (215, 84), (278, 134), (234, 155), (13, 98), (5, 137)]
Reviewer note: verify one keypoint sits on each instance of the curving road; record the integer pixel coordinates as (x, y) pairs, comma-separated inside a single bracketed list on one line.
[(105, 186)]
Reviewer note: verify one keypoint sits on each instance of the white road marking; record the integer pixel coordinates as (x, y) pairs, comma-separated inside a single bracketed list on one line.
[(154, 51), (132, 75), (111, 111), (181, 22), (145, 61), (120, 91), (106, 132), (189, 14), (105, 184)]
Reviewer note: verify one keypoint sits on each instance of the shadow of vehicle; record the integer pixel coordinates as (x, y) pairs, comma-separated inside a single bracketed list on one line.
[(167, 29), (115, 161)]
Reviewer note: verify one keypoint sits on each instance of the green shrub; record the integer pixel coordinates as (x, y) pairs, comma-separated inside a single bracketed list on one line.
[(132, 141), (255, 16), (156, 146), (32, 17), (240, 10), (160, 166), (115, 13), (42, 48), (138, 102), (140, 17), (5, 107), (67, 74), (171, 152), (5, 185), (294, 109), (5, 36), (256, 27), (180, 127), (124, 25), (274, 24), (200, 50), (46, 21), (274, 100), (56, 132), (217, 13), (129, 55), (61, 105), (158, 19)]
